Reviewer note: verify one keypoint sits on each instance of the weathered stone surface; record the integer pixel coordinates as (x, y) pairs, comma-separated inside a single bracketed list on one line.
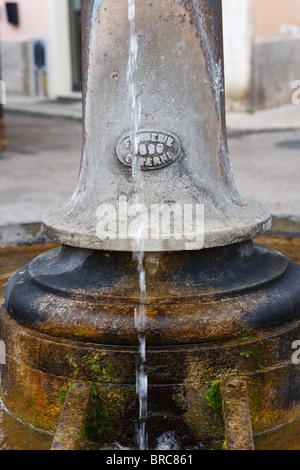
[(238, 427), (40, 369), (179, 80), (217, 294), (70, 430)]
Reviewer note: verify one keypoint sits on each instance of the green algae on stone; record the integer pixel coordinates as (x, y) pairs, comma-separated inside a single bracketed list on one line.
[(108, 404), (63, 394), (100, 369), (94, 417), (214, 397), (245, 355)]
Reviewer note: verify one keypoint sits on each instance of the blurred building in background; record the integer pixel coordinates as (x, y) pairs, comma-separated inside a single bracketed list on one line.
[(41, 49), (22, 24), (262, 51)]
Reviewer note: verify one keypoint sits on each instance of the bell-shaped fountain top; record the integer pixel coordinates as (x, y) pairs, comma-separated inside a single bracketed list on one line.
[(189, 199)]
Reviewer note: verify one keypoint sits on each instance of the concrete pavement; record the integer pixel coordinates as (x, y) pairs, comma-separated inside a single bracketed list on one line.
[(281, 118), (67, 108), (39, 168)]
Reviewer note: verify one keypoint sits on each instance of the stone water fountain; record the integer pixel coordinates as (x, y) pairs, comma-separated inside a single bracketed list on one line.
[(222, 312)]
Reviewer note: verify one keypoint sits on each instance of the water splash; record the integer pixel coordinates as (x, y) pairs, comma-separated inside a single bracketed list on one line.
[(140, 318), (168, 441)]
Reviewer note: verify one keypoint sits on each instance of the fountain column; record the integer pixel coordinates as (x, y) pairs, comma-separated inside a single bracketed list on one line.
[(182, 148), (218, 306)]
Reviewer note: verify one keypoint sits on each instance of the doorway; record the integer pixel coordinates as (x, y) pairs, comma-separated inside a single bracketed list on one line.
[(75, 32)]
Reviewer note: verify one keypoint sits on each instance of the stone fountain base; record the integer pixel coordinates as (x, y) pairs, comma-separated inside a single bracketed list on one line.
[(212, 315)]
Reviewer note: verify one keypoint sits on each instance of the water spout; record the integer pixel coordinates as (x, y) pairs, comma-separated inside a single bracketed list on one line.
[(140, 318)]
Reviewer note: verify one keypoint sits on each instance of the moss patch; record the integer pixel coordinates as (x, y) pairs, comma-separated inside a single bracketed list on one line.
[(214, 397), (245, 355), (63, 394), (101, 369), (94, 418)]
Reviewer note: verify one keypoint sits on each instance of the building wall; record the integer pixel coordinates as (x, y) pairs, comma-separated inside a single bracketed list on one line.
[(276, 46), (32, 14), (46, 20), (261, 43), (17, 66), (59, 48), (238, 38), (17, 45), (276, 18)]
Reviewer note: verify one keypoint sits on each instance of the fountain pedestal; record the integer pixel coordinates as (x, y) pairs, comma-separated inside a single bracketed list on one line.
[(212, 315), (221, 309)]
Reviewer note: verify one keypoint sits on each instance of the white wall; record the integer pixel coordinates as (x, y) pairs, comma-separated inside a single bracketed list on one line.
[(238, 39), (59, 48), (17, 45)]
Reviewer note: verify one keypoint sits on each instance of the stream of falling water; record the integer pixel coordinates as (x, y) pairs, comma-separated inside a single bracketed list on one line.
[(140, 318)]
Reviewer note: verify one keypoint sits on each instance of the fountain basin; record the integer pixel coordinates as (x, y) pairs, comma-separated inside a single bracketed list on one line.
[(60, 336)]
